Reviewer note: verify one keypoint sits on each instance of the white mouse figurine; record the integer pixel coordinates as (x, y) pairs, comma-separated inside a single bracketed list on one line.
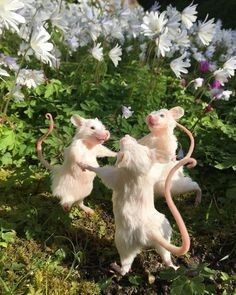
[(69, 183), (161, 124), (138, 224), (161, 138)]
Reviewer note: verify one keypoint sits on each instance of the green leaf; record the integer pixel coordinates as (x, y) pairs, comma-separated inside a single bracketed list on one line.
[(197, 286), (168, 274), (135, 280), (224, 276), (105, 283), (3, 244), (7, 159), (9, 237), (7, 140), (179, 287), (49, 91), (17, 266)]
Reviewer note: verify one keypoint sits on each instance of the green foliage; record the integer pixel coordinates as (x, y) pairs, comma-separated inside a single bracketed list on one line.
[(135, 280), (198, 280), (103, 99), (45, 250), (6, 237)]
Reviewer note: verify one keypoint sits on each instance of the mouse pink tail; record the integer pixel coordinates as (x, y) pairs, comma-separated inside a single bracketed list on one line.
[(41, 140)]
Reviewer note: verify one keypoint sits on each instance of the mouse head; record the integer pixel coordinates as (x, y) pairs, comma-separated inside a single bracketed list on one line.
[(91, 130), (133, 156), (164, 119)]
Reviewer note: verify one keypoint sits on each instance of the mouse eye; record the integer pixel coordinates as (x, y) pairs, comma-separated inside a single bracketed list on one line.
[(92, 127), (162, 115)]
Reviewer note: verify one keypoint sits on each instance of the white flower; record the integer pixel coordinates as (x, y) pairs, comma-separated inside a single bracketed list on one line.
[(182, 38), (9, 62), (143, 48), (17, 94), (197, 55), (226, 94), (221, 94), (230, 65), (126, 112), (25, 51), (173, 23), (210, 51), (216, 93), (73, 43), (94, 31), (40, 45), (188, 15), (153, 23), (57, 18), (179, 66), (112, 28), (198, 82), (129, 48), (206, 31), (221, 75), (8, 15), (97, 52), (115, 54), (4, 73), (30, 78), (163, 44)]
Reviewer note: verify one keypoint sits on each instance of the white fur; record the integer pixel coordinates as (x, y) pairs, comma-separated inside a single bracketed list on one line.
[(138, 224), (181, 184), (161, 138), (69, 183)]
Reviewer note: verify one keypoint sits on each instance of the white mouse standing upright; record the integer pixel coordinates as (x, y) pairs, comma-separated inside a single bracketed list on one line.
[(69, 183), (138, 224), (161, 138)]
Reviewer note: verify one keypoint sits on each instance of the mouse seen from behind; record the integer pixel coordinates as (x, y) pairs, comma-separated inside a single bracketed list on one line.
[(138, 224)]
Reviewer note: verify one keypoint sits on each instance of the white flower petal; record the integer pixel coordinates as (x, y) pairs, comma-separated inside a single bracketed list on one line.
[(115, 54), (4, 73), (40, 45), (8, 16), (188, 15), (206, 31), (97, 52), (179, 66)]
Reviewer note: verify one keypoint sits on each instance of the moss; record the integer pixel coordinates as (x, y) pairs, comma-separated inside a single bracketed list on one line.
[(88, 288), (34, 271), (4, 174), (48, 283)]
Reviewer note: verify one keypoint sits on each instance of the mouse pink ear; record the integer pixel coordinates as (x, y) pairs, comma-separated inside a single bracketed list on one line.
[(77, 121), (108, 134), (177, 112)]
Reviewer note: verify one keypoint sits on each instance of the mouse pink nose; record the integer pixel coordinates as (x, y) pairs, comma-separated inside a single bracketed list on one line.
[(151, 119), (104, 135)]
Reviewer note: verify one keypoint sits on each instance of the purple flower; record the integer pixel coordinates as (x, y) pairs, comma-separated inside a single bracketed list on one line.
[(216, 84), (204, 66)]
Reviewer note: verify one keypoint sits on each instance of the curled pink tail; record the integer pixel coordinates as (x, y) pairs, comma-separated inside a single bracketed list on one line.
[(41, 140), (175, 212), (190, 162)]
